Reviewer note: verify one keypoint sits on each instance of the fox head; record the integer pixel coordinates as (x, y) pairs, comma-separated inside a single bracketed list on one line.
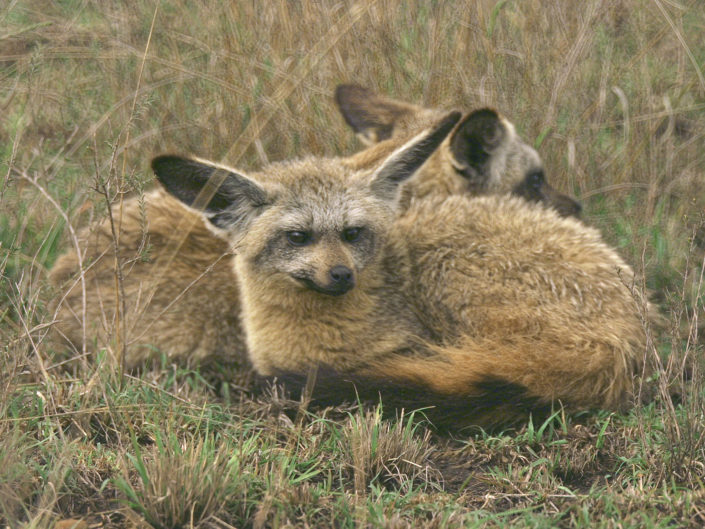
[(482, 155), (312, 224)]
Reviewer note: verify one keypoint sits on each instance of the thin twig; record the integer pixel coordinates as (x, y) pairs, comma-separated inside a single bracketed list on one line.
[(120, 308)]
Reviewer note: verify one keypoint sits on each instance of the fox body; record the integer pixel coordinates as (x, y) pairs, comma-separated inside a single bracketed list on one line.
[(482, 156), (180, 294), (181, 297), (492, 304)]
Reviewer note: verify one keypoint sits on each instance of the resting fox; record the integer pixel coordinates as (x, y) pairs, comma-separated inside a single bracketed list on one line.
[(487, 308), (483, 156), (182, 299)]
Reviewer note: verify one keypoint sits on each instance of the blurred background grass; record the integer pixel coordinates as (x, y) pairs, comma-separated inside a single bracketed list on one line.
[(612, 94)]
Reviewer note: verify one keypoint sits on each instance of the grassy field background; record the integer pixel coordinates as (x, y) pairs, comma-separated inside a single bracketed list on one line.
[(612, 94)]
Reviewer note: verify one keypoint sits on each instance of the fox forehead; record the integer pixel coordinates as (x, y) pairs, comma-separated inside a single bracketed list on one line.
[(326, 174), (333, 214), (320, 195)]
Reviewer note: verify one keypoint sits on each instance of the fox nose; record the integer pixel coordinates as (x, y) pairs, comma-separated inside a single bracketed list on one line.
[(341, 275)]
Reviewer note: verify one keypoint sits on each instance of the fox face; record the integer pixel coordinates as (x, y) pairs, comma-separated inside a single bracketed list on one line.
[(311, 224), (325, 259), (320, 237), (482, 155)]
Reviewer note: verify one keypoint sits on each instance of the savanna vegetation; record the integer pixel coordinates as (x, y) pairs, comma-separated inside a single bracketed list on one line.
[(611, 93)]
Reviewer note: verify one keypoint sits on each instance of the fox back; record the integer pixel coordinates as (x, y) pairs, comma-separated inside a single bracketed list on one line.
[(171, 293), (522, 296)]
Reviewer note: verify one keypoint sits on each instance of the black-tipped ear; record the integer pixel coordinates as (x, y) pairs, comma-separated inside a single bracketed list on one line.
[(371, 116), (475, 140), (406, 160), (226, 198)]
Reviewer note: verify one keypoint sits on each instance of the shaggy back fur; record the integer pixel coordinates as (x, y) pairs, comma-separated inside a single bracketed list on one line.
[(183, 301)]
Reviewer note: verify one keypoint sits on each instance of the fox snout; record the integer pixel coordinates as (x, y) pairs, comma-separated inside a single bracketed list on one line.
[(338, 280)]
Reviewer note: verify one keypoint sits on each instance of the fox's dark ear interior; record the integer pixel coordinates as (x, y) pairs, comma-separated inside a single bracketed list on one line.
[(186, 179), (371, 116), (223, 195), (476, 138), (404, 162)]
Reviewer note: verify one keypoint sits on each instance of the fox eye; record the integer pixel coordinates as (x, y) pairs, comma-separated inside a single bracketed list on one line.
[(298, 238), (535, 179), (352, 234)]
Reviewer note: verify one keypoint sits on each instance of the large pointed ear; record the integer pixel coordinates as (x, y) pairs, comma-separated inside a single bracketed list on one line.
[(371, 116), (474, 142), (405, 161), (226, 198)]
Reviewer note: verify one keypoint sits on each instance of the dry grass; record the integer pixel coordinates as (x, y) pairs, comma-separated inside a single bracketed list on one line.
[(183, 484), (391, 454), (613, 96)]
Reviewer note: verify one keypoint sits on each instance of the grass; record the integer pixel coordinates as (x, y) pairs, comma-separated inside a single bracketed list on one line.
[(613, 96)]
